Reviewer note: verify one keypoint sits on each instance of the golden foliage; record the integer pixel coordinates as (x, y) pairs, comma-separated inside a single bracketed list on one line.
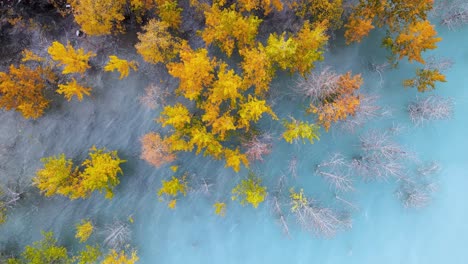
[(195, 71), (177, 116), (298, 200), (29, 55), (202, 139), (298, 53), (415, 39), (122, 66), (84, 230), (56, 177), (120, 258), (99, 173), (157, 44), (172, 188), (252, 110), (220, 208), (169, 12), (74, 61), (407, 20), (296, 130), (228, 86), (22, 89), (45, 251), (73, 89), (310, 47), (357, 29), (266, 5), (425, 79), (250, 191), (234, 159), (319, 11), (99, 17), (257, 69), (155, 150), (341, 104), (228, 28)]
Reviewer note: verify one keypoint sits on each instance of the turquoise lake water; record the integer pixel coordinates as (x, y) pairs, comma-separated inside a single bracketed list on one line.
[(383, 230)]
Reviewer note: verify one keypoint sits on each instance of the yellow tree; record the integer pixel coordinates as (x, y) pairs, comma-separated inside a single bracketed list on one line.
[(252, 110), (266, 5), (195, 71), (73, 89), (228, 86), (310, 47), (229, 28), (22, 89), (220, 208), (257, 69), (56, 177), (407, 20), (250, 191), (84, 230), (99, 17), (74, 61), (177, 116), (342, 103), (169, 12), (155, 150), (425, 79), (203, 139), (115, 257), (281, 50), (296, 130), (319, 10), (157, 44), (172, 188), (234, 159), (416, 38), (122, 66), (99, 172)]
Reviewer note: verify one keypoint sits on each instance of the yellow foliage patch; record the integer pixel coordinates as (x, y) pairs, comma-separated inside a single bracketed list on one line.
[(74, 61), (73, 89), (122, 66)]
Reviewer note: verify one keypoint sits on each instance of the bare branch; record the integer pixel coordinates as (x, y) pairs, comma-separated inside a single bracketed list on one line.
[(258, 147), (336, 172), (155, 96), (318, 85), (430, 108), (117, 235)]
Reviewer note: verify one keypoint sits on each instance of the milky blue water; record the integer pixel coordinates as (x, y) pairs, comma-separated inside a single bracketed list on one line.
[(383, 231)]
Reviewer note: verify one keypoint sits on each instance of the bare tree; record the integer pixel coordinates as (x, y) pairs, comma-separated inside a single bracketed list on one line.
[(258, 146), (379, 68), (417, 191), (436, 63), (292, 167), (10, 195), (200, 185), (117, 235), (318, 85), (336, 171), (367, 110), (381, 157), (415, 195), (453, 14), (155, 96), (319, 220), (430, 108)]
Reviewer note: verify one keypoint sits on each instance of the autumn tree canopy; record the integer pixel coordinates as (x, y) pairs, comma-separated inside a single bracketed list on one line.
[(23, 89), (97, 173)]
